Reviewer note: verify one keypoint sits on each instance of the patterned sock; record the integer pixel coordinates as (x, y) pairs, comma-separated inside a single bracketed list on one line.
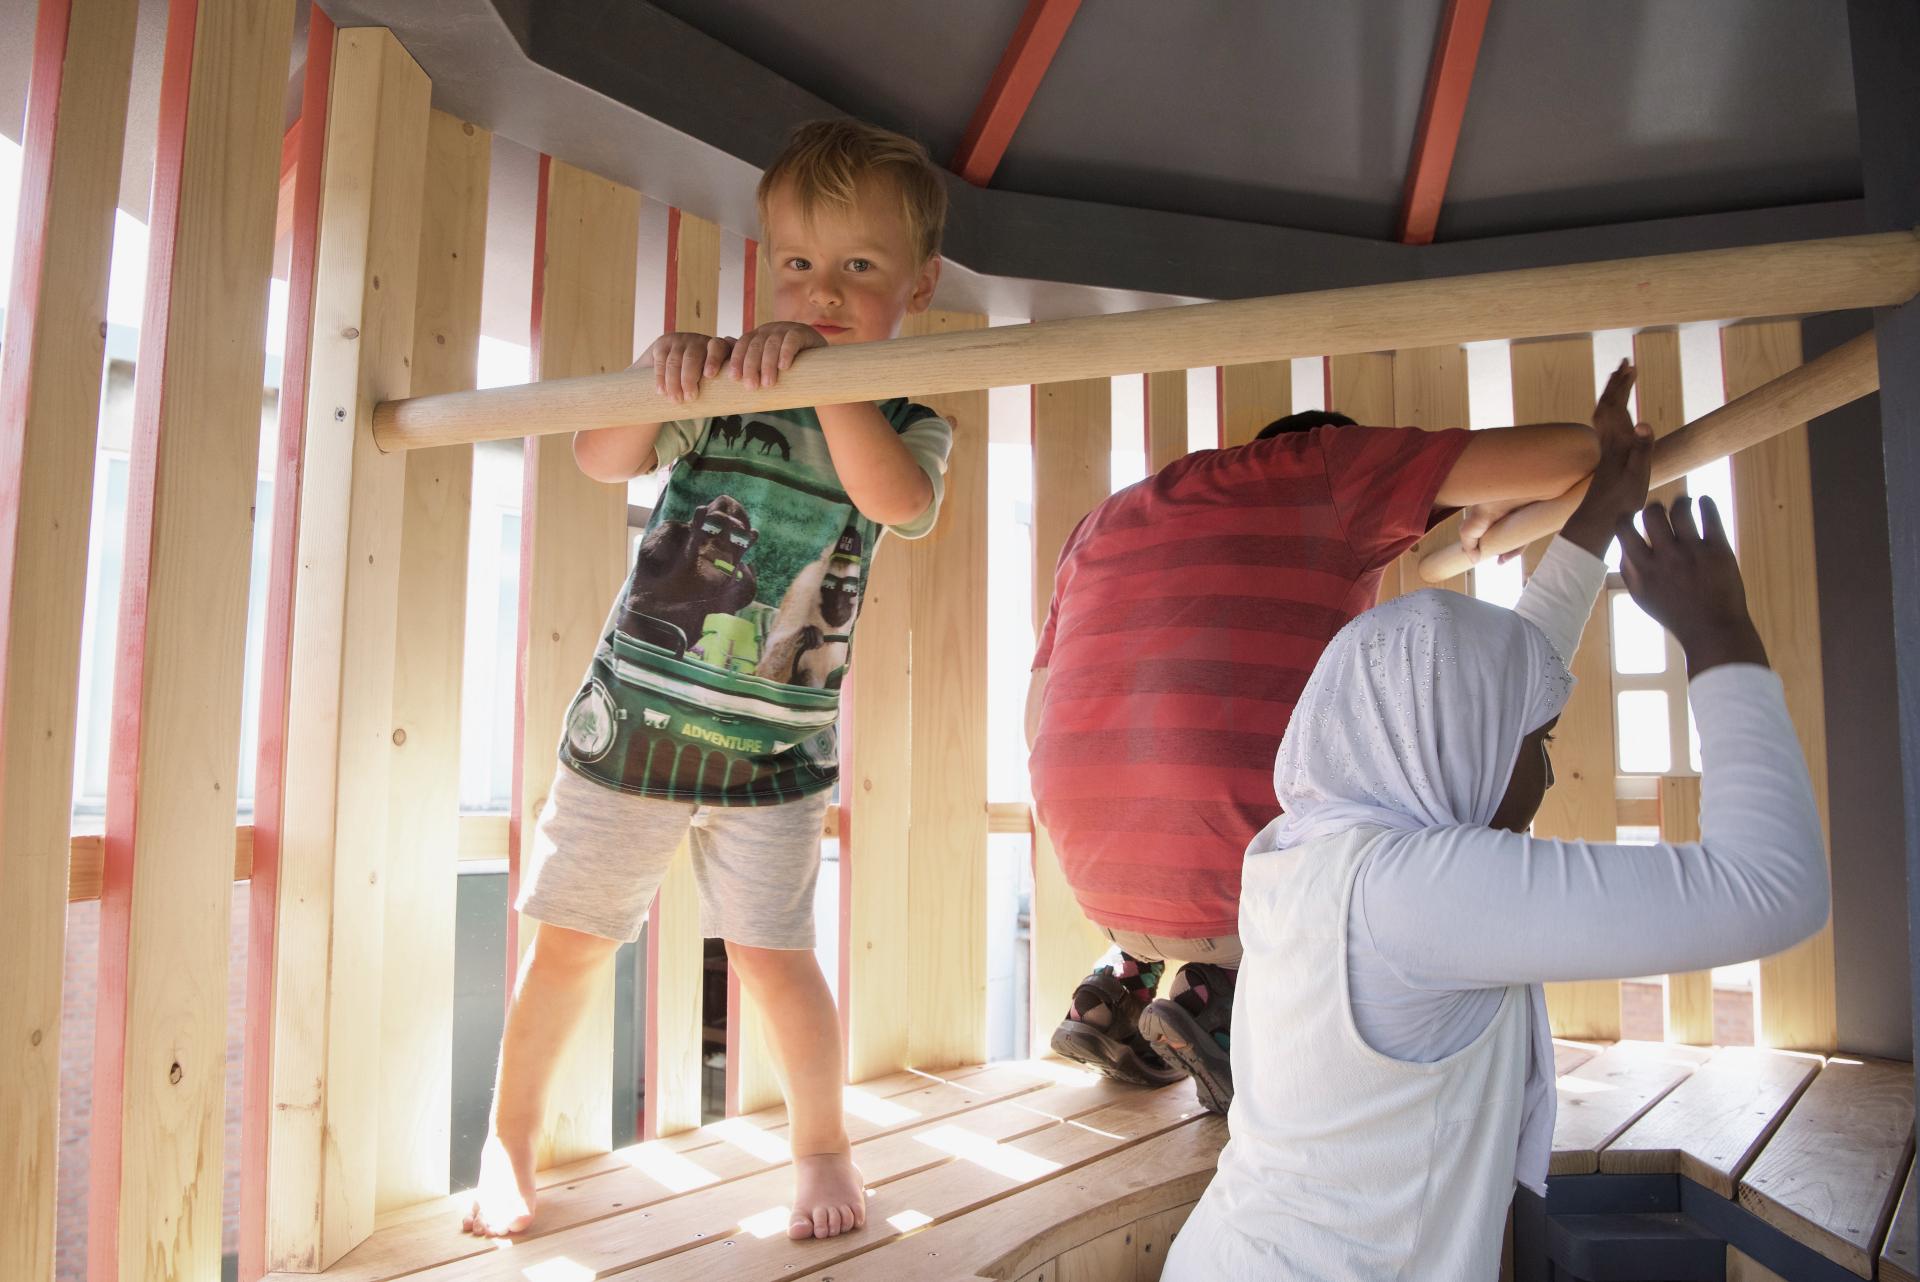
[(1141, 978), (1193, 998)]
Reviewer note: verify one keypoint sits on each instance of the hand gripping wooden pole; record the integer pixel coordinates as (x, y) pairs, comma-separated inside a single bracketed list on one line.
[(1843, 375), (1763, 280)]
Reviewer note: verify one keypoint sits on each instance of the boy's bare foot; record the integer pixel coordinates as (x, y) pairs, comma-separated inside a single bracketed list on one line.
[(503, 1200), (828, 1196)]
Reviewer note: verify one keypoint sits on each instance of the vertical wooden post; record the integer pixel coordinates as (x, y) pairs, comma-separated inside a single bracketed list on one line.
[(1553, 382), (676, 951), (160, 1037), (302, 171), (1657, 390), (1166, 415), (1072, 452), (49, 403), (1252, 396), (1773, 507), (1689, 996), (327, 976), (573, 545), (1430, 391), (947, 847), (1362, 388), (752, 1083), (423, 818)]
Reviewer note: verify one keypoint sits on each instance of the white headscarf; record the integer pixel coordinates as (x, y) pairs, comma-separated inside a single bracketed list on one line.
[(1414, 718)]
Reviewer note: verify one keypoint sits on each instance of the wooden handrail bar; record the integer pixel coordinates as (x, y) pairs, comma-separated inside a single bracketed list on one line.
[(1763, 280), (1822, 385)]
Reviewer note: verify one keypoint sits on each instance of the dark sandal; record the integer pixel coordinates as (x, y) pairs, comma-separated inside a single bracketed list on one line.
[(1186, 1038), (1118, 1051)]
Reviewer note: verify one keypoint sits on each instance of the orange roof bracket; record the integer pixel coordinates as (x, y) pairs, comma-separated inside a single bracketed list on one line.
[(1021, 69), (1454, 53)]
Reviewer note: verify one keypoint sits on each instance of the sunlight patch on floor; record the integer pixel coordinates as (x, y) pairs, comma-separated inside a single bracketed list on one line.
[(1002, 1159), (672, 1171)]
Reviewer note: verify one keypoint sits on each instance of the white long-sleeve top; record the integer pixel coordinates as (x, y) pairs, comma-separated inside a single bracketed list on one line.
[(1442, 920)]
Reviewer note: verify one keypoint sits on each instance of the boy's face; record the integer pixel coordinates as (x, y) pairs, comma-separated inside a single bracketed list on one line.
[(852, 274)]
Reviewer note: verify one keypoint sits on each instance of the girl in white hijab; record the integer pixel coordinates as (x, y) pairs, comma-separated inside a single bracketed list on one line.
[(1395, 1071)]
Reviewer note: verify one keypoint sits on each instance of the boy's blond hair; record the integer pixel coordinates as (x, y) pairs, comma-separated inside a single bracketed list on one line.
[(827, 161)]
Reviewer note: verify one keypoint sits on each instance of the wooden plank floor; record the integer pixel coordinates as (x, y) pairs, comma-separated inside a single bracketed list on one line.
[(1038, 1172)]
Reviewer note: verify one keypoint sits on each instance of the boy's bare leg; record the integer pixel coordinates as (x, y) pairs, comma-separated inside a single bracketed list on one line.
[(804, 1028), (558, 977)]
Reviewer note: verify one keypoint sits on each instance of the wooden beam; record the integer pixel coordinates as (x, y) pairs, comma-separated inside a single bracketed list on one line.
[(946, 1010), (1361, 386), (1808, 276), (1072, 455), (752, 1082), (573, 545), (676, 951), (1430, 391), (301, 209), (1166, 417), (1553, 382), (1250, 397), (1024, 64), (49, 403), (1690, 995), (1804, 392), (327, 978), (1773, 509), (160, 1036), (1455, 51), (423, 817)]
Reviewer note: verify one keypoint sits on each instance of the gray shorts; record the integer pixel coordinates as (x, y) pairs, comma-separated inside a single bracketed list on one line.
[(598, 855), (1221, 951)]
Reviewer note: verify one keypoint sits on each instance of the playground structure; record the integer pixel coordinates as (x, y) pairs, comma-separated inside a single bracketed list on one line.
[(1002, 1171)]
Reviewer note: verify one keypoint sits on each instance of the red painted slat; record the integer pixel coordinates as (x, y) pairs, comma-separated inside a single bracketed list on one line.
[(305, 149), (1022, 67), (1455, 52)]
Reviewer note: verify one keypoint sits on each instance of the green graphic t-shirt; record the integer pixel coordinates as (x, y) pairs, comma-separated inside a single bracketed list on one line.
[(717, 679)]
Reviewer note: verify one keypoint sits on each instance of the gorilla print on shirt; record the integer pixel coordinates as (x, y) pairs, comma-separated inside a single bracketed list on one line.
[(717, 677)]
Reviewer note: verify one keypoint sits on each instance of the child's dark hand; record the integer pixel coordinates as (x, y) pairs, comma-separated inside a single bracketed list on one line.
[(1619, 483), (682, 361), (1690, 583), (764, 352)]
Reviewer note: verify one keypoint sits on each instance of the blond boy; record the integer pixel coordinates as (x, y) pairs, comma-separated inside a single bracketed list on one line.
[(708, 711)]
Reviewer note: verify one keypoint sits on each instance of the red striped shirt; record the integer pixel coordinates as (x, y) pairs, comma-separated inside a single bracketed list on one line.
[(1187, 612)]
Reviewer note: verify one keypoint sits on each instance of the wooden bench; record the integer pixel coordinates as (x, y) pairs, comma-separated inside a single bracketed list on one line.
[(1796, 1163)]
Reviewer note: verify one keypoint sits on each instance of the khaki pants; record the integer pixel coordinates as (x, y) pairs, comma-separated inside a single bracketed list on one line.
[(1221, 951)]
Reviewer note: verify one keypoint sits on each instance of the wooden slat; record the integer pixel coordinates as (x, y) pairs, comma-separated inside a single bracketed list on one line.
[(954, 1173), (1761, 280), (297, 216), (1713, 1124), (1252, 396), (1153, 1238), (1072, 435), (1773, 507), (643, 1176), (1900, 1257), (1362, 388), (1689, 996), (423, 818), (875, 795), (676, 951), (1023, 1232), (1657, 390), (946, 1010), (1608, 1093), (1553, 383), (1111, 1255), (160, 1031), (1831, 1175), (49, 401), (325, 1075), (573, 541), (1568, 1056), (1742, 1267), (1166, 417), (1430, 391), (752, 1083)]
